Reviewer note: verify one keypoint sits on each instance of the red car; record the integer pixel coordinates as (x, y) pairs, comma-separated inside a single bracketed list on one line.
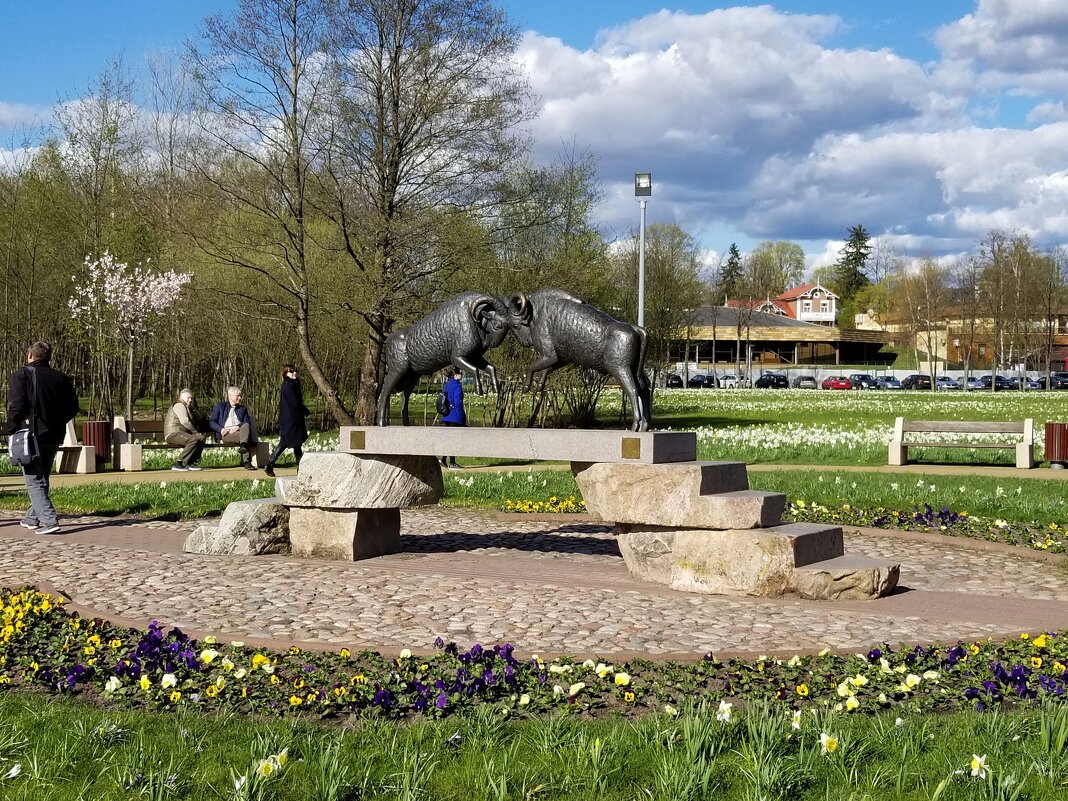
[(837, 382)]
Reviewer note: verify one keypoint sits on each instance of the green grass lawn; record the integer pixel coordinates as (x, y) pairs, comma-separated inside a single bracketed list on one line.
[(56, 750)]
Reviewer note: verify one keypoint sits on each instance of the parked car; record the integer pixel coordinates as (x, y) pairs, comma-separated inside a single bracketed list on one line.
[(837, 382), (863, 381), (1056, 381), (1017, 383), (805, 382), (673, 381), (728, 381), (888, 382), (998, 382), (972, 382), (701, 381), (945, 382), (772, 381), (916, 381)]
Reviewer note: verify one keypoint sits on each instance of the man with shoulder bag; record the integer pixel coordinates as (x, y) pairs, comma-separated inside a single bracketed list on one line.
[(40, 403)]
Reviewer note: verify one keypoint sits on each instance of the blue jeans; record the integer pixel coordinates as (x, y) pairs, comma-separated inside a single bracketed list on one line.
[(41, 512)]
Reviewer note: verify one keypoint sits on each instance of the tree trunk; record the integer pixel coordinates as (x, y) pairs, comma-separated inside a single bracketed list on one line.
[(333, 403), (370, 379), (129, 379)]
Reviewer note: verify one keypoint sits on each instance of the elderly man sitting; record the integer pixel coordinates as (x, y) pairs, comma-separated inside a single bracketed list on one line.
[(232, 424), (183, 427)]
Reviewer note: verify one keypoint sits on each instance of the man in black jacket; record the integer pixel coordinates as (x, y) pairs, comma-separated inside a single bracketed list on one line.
[(46, 395)]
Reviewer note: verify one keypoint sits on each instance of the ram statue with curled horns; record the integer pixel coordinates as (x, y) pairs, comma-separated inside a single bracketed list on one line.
[(564, 330), (459, 332)]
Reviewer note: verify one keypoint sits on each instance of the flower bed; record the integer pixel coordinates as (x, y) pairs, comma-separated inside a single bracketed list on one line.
[(1051, 538), (44, 647)]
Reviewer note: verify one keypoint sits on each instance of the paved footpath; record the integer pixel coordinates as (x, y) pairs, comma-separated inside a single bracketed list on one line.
[(547, 587)]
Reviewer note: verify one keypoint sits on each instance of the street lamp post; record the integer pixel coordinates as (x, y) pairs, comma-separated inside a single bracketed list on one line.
[(643, 188)]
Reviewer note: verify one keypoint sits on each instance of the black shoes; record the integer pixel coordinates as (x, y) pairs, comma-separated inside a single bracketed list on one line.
[(269, 470)]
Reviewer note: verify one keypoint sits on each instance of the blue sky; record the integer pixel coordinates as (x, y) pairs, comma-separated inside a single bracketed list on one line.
[(931, 123)]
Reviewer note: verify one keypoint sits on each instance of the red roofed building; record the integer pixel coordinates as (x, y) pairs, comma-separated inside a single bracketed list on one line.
[(809, 303)]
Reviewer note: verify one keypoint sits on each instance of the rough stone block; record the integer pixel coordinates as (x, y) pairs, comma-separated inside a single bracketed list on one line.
[(330, 480), (712, 495), (247, 527), (759, 562), (846, 578), (344, 535)]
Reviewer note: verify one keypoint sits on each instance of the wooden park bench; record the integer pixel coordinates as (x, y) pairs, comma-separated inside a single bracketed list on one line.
[(72, 456), (131, 437), (976, 435)]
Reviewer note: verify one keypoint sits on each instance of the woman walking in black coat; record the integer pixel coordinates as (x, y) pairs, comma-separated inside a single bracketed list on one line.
[(292, 428)]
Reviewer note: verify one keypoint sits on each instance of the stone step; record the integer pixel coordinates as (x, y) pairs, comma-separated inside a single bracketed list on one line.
[(706, 495), (750, 561), (846, 578), (812, 542)]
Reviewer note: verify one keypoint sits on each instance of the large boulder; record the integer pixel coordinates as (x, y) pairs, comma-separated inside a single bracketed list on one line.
[(330, 480), (254, 527)]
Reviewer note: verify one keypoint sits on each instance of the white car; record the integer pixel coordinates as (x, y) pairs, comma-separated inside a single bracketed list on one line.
[(728, 381)]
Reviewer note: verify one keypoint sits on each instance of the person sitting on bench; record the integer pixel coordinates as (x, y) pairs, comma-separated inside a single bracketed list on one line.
[(183, 427), (232, 424)]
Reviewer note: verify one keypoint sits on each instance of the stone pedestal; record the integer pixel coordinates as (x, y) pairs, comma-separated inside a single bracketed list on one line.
[(345, 535)]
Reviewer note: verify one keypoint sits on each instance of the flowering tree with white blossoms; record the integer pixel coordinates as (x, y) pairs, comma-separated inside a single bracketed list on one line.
[(117, 306)]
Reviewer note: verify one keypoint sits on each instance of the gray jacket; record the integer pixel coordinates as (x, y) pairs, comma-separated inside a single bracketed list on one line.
[(178, 420)]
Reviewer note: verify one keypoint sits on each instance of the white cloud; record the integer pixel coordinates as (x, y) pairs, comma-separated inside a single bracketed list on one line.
[(750, 120), (13, 115), (1011, 36)]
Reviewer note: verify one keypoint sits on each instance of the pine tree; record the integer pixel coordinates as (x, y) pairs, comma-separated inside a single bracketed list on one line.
[(731, 275), (849, 270)]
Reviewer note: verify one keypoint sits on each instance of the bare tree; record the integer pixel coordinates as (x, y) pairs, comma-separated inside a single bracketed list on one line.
[(427, 103), (966, 276), (925, 295), (260, 77)]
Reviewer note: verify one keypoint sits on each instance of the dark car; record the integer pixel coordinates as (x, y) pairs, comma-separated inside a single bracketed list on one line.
[(1017, 382), (837, 382), (701, 381), (673, 381), (863, 381), (998, 382), (805, 382), (916, 381), (1056, 381), (772, 381)]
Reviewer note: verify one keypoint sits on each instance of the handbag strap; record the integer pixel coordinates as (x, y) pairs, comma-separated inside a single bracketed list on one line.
[(33, 400)]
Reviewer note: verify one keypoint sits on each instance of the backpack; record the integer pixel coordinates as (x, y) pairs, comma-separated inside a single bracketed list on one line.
[(443, 405)]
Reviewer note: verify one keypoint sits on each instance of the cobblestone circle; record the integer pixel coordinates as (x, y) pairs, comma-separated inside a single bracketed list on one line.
[(545, 587)]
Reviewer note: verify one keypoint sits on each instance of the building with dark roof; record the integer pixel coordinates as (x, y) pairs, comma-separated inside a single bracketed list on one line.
[(736, 334)]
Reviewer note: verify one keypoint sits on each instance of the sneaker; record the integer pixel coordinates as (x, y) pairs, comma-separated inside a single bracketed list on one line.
[(179, 467), (50, 530), (30, 526), (269, 470), (454, 466), (192, 467)]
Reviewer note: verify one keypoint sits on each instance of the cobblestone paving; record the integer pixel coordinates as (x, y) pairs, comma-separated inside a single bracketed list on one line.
[(547, 587)]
